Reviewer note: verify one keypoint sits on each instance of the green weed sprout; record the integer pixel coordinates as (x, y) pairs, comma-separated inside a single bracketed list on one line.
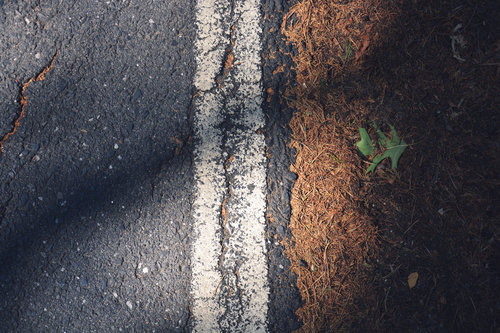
[(392, 148)]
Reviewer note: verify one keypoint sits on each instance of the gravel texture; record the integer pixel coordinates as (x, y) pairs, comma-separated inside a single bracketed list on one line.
[(96, 185)]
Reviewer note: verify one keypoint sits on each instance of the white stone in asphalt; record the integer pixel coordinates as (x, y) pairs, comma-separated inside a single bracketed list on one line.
[(229, 283)]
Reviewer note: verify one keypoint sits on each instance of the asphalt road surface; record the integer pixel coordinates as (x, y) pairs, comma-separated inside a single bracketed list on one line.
[(147, 187)]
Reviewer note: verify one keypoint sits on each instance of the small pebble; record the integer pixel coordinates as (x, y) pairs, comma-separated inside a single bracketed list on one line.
[(84, 283), (280, 230), (137, 95), (24, 199)]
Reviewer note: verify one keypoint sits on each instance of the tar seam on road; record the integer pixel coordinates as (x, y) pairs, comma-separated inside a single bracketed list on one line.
[(24, 100), (229, 284)]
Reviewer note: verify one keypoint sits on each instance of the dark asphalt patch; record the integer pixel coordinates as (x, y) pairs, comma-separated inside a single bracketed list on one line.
[(277, 64), (92, 186), (96, 183)]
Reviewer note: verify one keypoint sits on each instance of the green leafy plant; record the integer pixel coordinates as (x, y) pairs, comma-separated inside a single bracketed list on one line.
[(392, 148)]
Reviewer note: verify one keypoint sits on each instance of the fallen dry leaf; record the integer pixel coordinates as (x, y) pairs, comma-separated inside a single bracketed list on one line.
[(412, 279), (365, 41)]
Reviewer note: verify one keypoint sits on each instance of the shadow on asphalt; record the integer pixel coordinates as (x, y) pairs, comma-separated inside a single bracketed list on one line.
[(90, 183)]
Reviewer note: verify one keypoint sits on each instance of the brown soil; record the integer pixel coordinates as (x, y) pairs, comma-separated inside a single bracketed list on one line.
[(431, 69)]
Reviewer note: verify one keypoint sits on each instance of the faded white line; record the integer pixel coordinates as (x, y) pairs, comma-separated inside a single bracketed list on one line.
[(229, 282)]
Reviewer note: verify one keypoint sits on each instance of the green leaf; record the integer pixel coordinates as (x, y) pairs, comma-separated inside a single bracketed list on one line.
[(376, 160), (395, 137), (380, 134), (395, 148), (392, 148), (395, 153), (365, 145)]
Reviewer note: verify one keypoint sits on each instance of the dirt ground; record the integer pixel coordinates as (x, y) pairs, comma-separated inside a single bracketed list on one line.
[(414, 248)]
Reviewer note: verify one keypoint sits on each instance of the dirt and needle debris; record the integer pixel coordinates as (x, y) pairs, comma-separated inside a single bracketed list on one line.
[(415, 248)]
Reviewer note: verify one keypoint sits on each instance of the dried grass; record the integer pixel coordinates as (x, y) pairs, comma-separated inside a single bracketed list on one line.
[(334, 238)]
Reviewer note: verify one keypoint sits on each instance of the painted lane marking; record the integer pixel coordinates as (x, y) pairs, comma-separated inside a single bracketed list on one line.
[(229, 282)]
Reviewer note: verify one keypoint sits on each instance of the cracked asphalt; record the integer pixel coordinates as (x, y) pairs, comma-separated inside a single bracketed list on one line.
[(96, 185)]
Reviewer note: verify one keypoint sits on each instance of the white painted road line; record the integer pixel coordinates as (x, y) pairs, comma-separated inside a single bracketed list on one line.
[(229, 282)]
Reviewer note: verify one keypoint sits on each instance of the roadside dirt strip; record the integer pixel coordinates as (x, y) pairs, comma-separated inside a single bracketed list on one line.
[(229, 278)]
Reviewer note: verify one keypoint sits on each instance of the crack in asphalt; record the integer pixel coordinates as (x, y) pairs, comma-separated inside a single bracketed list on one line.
[(24, 99)]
